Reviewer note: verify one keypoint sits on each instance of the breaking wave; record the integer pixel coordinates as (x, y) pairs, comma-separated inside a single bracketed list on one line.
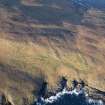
[(65, 97)]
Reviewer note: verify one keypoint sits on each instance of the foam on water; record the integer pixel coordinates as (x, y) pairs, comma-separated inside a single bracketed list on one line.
[(74, 94)]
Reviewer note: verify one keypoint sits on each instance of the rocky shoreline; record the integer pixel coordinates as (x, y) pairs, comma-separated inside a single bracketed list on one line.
[(80, 92), (65, 96)]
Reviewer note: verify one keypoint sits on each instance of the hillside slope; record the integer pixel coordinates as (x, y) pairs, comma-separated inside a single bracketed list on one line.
[(43, 40)]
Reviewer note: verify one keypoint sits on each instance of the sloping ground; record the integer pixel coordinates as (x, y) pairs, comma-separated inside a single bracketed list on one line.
[(42, 40)]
